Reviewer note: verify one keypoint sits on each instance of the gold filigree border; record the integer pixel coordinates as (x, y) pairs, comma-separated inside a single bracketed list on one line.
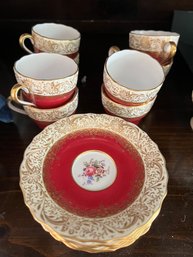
[(95, 230)]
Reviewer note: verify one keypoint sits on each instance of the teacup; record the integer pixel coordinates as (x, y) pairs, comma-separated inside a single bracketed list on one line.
[(131, 77), (44, 117), (46, 80), (53, 38), (161, 45), (130, 113)]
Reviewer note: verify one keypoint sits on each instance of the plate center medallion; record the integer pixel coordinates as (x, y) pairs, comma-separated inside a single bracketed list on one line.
[(94, 170)]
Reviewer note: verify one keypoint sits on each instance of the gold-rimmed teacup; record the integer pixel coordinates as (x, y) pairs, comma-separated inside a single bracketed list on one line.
[(46, 80), (132, 77), (44, 117), (161, 45), (53, 38), (132, 113)]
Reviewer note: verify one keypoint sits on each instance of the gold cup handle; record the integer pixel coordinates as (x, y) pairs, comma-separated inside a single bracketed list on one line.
[(22, 39), (113, 49), (15, 92), (169, 50)]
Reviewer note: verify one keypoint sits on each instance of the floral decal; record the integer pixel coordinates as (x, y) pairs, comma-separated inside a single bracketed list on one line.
[(94, 171)]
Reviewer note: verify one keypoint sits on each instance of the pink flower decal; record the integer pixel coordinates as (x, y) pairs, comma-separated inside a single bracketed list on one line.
[(94, 171)]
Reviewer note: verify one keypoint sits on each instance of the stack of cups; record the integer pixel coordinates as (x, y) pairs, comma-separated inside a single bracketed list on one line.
[(131, 81), (161, 45), (53, 38), (46, 87), (47, 78)]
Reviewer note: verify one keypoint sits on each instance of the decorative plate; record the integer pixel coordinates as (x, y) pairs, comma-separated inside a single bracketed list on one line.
[(93, 181)]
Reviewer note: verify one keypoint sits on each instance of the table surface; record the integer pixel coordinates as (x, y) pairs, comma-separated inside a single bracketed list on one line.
[(167, 124)]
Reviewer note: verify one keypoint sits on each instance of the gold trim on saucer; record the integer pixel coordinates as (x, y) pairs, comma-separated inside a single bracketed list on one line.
[(94, 234)]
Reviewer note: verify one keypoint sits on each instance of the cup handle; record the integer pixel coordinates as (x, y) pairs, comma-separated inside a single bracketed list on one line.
[(169, 50), (113, 49), (22, 39), (15, 92), (14, 108)]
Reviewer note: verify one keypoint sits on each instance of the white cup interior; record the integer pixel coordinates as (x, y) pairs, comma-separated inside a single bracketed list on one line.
[(135, 70), (157, 33), (56, 31), (46, 66)]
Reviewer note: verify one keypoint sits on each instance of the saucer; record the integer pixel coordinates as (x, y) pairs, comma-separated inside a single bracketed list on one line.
[(93, 181), (93, 173)]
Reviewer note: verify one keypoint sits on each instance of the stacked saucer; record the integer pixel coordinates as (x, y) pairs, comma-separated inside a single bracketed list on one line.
[(131, 81), (93, 181)]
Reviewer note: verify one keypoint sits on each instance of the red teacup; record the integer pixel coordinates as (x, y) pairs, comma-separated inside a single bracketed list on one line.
[(44, 117), (46, 101), (133, 113), (161, 45), (131, 77), (46, 80)]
